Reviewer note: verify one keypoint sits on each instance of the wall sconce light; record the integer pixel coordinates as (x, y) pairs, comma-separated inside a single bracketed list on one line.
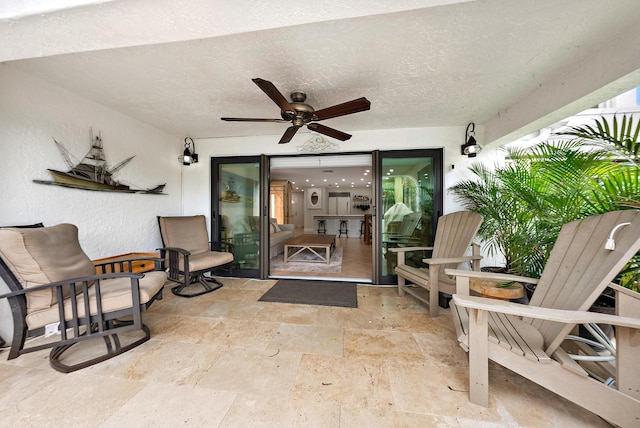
[(470, 147), (188, 156)]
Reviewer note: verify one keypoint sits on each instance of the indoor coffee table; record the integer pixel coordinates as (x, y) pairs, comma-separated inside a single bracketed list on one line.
[(313, 243)]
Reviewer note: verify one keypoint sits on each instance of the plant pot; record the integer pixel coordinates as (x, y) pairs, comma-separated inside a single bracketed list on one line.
[(501, 269)]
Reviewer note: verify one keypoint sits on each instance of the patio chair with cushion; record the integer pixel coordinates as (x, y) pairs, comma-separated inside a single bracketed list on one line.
[(191, 256), (54, 289), (532, 339)]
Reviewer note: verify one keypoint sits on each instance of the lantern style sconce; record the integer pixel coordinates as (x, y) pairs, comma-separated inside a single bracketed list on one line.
[(470, 147), (189, 155)]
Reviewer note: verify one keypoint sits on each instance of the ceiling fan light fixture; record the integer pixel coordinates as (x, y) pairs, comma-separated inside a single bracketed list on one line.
[(470, 147)]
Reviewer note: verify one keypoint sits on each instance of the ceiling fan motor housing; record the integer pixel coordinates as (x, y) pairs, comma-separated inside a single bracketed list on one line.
[(304, 112)]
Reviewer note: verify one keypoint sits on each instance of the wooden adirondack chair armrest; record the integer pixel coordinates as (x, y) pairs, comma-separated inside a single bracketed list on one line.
[(547, 314), (462, 278), (407, 249), (490, 275), (402, 250), (448, 260)]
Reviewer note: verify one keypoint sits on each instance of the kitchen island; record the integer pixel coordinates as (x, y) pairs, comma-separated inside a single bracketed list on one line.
[(332, 223)]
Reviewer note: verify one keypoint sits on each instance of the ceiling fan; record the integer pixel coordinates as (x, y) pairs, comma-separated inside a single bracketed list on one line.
[(300, 114)]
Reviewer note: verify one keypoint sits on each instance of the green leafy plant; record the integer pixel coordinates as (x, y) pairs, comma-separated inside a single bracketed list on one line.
[(592, 169)]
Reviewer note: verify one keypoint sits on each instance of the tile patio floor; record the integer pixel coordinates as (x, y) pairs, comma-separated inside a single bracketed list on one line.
[(226, 360)]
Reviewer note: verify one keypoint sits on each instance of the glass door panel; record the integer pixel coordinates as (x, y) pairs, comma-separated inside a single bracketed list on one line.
[(410, 201), (236, 210)]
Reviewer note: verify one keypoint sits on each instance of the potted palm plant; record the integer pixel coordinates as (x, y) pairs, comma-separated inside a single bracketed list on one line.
[(592, 169)]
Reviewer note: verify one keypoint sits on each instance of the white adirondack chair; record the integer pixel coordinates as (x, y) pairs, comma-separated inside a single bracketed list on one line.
[(531, 339)]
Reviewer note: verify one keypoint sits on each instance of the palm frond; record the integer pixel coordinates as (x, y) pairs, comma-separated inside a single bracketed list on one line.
[(620, 140)]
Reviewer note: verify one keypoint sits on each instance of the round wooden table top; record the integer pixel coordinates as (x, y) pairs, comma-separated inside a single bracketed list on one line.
[(497, 289)]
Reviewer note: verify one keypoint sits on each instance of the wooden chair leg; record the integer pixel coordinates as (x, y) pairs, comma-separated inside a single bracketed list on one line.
[(433, 292), (478, 358), (401, 284)]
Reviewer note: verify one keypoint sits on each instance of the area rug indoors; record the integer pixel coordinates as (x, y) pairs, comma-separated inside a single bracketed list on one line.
[(334, 265), (322, 293)]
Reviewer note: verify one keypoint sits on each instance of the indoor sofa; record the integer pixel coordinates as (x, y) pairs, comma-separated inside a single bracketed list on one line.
[(278, 234)]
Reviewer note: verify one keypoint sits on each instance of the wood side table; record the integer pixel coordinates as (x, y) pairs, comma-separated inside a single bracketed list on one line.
[(137, 266)]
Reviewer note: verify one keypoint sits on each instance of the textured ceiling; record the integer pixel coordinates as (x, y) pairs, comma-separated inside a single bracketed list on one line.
[(181, 65)]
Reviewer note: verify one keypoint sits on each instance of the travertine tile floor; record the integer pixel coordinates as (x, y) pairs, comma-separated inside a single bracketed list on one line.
[(225, 359)]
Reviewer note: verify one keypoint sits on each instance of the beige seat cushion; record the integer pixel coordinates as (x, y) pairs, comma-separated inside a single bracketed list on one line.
[(207, 260), (116, 295), (40, 256)]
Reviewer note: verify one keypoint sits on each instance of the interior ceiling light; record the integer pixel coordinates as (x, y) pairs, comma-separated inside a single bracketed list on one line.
[(470, 147)]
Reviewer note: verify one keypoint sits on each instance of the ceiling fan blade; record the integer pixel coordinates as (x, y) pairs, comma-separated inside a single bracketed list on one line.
[(275, 95), (350, 107), (288, 134), (339, 135), (247, 119)]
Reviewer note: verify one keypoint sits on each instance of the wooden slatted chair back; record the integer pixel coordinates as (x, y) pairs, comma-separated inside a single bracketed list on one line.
[(454, 235), (580, 267), (409, 224)]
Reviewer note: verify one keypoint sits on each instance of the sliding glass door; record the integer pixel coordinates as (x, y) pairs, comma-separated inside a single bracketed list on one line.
[(406, 201), (235, 210), (410, 200)]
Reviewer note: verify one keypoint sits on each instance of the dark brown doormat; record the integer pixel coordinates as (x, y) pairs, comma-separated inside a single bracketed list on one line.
[(323, 293)]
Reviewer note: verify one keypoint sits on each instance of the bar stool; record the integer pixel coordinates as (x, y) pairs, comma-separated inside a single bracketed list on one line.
[(343, 228), (322, 226)]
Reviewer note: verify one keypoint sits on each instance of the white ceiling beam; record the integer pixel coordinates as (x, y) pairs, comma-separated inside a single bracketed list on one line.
[(609, 72)]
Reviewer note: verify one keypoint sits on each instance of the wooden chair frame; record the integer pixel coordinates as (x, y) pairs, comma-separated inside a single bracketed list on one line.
[(531, 340), (454, 237)]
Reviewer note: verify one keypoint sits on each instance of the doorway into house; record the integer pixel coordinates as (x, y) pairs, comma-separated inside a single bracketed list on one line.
[(316, 201), (370, 202)]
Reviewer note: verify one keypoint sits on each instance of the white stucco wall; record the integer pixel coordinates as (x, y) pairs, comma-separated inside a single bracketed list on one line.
[(32, 113)]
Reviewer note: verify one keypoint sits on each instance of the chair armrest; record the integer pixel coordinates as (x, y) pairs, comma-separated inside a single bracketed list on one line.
[(447, 260), (407, 249), (219, 245), (80, 280), (401, 238), (490, 275), (547, 314), (287, 227), (173, 249)]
